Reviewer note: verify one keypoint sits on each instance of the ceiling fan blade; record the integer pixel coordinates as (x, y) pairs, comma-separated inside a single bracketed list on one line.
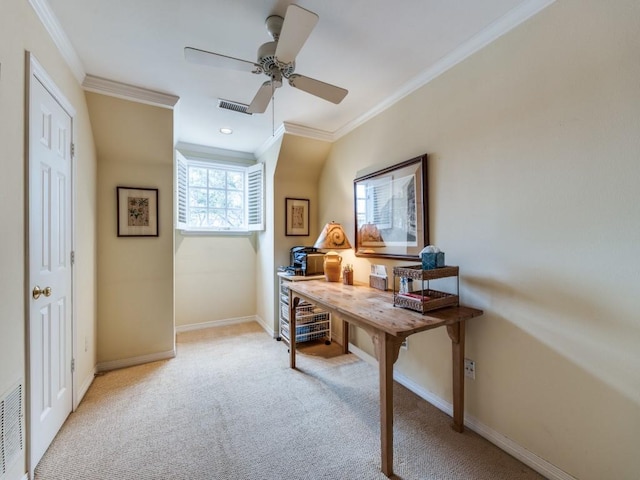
[(195, 55), (261, 101), (320, 89), (297, 26)]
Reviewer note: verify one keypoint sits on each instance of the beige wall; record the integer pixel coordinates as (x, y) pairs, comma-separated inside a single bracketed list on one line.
[(215, 278), (134, 144), (292, 167), (266, 243), (214, 274), (533, 173), (20, 30), (222, 278), (299, 166)]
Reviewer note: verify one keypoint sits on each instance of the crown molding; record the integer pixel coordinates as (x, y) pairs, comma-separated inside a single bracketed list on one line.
[(297, 130), (129, 92), (59, 37), (90, 83), (302, 131), (495, 30)]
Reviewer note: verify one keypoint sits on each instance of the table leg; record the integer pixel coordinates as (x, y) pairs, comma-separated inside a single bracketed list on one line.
[(456, 333), (293, 306), (385, 363), (345, 337)]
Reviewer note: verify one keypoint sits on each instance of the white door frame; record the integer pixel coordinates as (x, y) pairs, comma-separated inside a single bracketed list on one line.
[(35, 72)]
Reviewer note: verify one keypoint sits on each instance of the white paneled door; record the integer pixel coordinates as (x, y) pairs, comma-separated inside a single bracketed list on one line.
[(50, 227)]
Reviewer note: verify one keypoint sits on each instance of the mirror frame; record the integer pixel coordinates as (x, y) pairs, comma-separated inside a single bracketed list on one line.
[(369, 238)]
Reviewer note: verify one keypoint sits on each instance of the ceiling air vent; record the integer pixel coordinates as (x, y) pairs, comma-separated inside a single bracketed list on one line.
[(235, 106)]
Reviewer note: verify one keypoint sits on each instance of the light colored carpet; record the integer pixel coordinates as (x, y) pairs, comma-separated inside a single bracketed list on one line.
[(229, 407)]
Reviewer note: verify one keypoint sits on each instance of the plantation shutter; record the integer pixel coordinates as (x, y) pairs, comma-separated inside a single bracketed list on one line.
[(255, 197), (379, 203), (181, 192)]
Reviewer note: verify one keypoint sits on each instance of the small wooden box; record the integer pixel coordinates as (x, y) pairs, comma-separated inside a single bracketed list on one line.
[(376, 281)]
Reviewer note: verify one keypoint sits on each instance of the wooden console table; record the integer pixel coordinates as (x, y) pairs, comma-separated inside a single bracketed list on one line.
[(373, 311)]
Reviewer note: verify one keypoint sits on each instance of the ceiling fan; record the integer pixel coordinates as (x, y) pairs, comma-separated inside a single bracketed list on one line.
[(276, 59)]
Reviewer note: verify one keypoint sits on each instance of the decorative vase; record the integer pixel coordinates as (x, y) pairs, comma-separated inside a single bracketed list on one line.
[(332, 266)]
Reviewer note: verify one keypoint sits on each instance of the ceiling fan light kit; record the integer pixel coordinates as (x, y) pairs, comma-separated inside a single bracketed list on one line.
[(276, 59)]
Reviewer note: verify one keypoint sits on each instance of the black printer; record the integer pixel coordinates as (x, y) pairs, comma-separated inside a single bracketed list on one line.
[(307, 260)]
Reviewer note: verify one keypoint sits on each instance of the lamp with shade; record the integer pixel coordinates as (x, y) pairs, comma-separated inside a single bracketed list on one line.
[(332, 238)]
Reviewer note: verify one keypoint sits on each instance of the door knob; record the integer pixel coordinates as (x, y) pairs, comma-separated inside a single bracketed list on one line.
[(37, 292)]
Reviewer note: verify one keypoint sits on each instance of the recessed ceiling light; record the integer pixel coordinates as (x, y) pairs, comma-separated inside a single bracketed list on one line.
[(226, 131)]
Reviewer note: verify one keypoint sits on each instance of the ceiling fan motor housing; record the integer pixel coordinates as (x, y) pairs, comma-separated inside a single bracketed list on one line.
[(270, 64), (297, 26)]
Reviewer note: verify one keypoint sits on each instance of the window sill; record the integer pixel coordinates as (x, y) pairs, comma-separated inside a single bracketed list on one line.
[(214, 233)]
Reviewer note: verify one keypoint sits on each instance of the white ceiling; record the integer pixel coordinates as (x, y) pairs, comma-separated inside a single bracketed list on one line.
[(377, 49)]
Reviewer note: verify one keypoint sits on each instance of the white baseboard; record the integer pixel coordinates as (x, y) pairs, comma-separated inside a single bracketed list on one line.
[(267, 328), (130, 362), (215, 323), (84, 387), (530, 459), (228, 321)]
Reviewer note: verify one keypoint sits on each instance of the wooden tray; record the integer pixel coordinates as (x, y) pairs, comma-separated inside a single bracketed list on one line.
[(425, 300)]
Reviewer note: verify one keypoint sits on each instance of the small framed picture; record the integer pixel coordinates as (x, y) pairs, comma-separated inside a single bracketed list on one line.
[(137, 212), (297, 217)]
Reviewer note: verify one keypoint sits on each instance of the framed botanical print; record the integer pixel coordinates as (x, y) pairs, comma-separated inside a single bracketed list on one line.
[(137, 212), (297, 217)]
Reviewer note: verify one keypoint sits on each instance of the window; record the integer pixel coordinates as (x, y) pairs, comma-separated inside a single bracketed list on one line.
[(219, 197)]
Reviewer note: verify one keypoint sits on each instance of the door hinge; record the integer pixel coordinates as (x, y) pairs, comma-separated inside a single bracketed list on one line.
[(73, 365), (73, 149), (73, 257)]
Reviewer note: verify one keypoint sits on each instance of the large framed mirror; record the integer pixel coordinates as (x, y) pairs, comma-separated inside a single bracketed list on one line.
[(391, 211)]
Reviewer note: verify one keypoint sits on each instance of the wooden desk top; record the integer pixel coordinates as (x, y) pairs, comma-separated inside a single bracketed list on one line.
[(373, 307)]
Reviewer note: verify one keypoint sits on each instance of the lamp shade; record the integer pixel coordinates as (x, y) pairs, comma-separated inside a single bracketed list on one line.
[(332, 237)]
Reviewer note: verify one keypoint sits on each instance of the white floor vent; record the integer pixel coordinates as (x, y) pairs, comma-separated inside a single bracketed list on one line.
[(11, 443)]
